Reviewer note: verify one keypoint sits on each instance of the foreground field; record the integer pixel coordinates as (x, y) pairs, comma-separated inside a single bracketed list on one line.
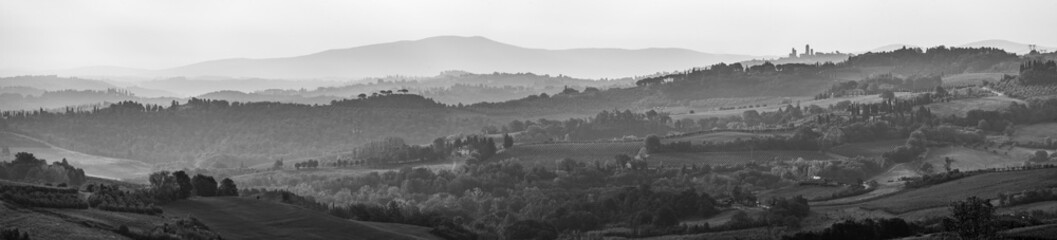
[(64, 223), (244, 218)]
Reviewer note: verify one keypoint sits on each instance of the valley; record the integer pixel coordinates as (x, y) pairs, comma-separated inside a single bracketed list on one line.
[(905, 142)]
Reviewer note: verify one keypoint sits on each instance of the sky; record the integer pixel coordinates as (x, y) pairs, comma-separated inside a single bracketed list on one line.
[(61, 34)]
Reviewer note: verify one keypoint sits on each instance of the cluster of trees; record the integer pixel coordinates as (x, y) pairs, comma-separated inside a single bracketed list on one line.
[(619, 124), (1035, 111), (1026, 196), (907, 61), (937, 60), (787, 211), (917, 143), (1009, 85), (13, 234), (1042, 156), (604, 125), (852, 171), (112, 198), (27, 168), (933, 179), (394, 150), (166, 186), (40, 196), (312, 163), (884, 84), (1038, 72), (892, 105), (480, 147), (24, 98), (580, 197), (866, 229), (973, 218)]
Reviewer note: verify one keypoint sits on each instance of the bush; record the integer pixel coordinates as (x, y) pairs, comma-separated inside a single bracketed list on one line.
[(38, 196), (868, 229), (112, 198), (13, 234)]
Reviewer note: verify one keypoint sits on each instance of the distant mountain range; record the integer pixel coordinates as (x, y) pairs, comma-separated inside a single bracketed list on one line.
[(1009, 46), (427, 57)]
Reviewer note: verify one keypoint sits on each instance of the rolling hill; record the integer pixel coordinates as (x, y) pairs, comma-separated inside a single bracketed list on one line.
[(1009, 46)]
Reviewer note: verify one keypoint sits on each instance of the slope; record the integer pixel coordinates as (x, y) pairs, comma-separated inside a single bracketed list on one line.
[(244, 218)]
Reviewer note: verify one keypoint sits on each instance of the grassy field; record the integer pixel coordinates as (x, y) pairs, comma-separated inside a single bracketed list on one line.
[(961, 106), (722, 137), (547, 155), (244, 218), (984, 185), (43, 224), (867, 149), (967, 159), (99, 166), (1035, 132), (12, 140)]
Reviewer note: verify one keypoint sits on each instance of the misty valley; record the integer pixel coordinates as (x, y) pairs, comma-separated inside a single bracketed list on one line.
[(470, 138)]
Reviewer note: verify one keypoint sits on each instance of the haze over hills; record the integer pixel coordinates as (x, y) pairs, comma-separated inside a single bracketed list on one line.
[(474, 54), (1009, 46), (429, 56)]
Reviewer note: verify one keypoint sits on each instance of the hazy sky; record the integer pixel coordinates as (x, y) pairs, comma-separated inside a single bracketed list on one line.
[(160, 34)]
